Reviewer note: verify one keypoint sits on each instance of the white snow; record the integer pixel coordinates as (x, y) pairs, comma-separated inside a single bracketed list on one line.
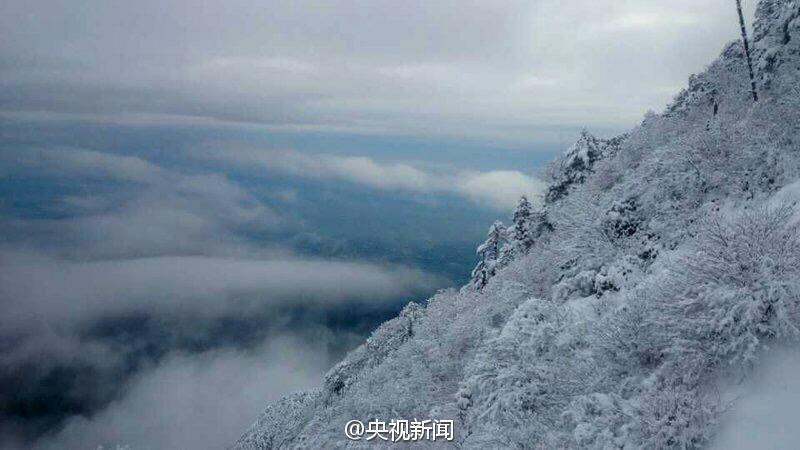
[(765, 414)]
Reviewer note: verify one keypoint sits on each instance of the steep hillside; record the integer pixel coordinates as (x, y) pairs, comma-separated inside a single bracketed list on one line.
[(669, 260)]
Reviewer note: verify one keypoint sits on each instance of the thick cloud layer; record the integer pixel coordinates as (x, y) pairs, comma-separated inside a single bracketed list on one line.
[(198, 401), (516, 71), (53, 291), (139, 305)]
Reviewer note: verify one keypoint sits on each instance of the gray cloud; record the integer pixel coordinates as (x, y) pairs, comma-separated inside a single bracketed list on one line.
[(80, 163), (198, 401), (38, 289), (498, 188), (509, 70), (157, 212)]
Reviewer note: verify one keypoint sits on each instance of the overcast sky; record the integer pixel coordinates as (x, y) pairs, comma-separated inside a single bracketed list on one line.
[(511, 71)]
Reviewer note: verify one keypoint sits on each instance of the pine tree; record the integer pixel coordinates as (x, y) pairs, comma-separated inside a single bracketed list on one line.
[(489, 253), (519, 237), (528, 225), (522, 233)]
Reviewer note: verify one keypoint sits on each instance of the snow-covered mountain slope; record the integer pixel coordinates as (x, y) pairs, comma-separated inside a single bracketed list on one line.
[(670, 259)]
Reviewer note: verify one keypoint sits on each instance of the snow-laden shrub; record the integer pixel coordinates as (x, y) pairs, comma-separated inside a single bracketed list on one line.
[(740, 285), (678, 417), (623, 340), (581, 284), (598, 421), (579, 234), (522, 380), (622, 220), (622, 273)]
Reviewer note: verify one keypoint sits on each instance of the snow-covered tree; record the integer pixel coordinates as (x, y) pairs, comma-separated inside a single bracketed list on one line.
[(521, 231), (519, 237), (739, 284), (527, 225), (489, 253)]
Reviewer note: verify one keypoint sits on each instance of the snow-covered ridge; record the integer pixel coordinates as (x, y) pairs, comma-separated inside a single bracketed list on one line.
[(659, 263), (578, 161)]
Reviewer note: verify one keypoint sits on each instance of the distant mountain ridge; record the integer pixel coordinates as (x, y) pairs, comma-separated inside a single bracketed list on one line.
[(670, 259)]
